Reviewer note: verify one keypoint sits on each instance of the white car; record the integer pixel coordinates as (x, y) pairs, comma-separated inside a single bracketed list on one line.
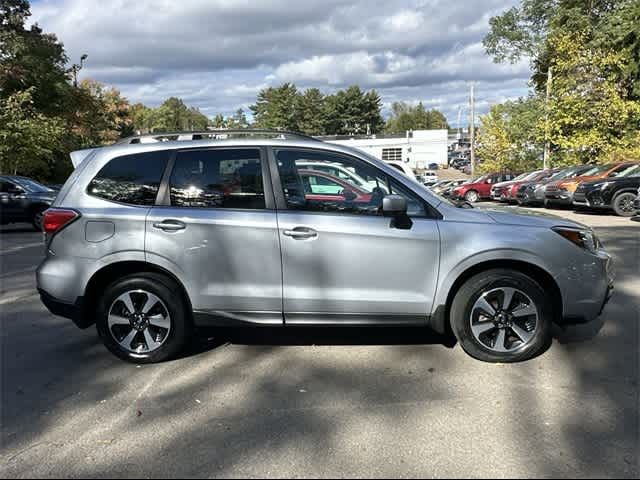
[(403, 167)]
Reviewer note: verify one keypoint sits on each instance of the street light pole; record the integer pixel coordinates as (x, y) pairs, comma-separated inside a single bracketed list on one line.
[(75, 68), (472, 130), (547, 145)]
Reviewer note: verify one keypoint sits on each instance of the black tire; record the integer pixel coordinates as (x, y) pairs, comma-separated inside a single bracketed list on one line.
[(36, 217), (623, 204), (169, 293), (472, 196), (474, 288)]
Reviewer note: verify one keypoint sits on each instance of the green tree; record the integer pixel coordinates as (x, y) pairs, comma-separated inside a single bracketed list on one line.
[(311, 112), (353, 112), (277, 108), (28, 138), (406, 117), (238, 120), (31, 59), (508, 139), (219, 122), (589, 114)]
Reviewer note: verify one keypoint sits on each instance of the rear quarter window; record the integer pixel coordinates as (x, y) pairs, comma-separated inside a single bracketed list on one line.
[(131, 179)]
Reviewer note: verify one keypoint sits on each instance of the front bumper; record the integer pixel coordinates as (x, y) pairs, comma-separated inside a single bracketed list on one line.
[(561, 197)]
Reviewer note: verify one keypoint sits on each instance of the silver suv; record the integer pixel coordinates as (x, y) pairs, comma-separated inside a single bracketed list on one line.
[(149, 239)]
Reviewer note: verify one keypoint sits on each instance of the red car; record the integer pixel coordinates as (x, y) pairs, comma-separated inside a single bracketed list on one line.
[(508, 191), (323, 187), (481, 189)]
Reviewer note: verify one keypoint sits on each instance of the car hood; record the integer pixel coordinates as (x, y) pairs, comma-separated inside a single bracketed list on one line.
[(576, 180), (621, 180), (526, 218), (504, 184)]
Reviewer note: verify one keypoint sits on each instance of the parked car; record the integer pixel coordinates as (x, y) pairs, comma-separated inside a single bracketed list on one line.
[(341, 172), (23, 200), (448, 190), (434, 166), (402, 167), (533, 193), (429, 178), (481, 189), (561, 192), (500, 191), (617, 194), (514, 188), (149, 240)]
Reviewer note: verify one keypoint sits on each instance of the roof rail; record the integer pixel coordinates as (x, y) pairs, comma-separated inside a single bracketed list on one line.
[(213, 135)]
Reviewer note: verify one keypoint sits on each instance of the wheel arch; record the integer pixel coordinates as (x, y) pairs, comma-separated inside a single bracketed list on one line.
[(441, 321), (109, 273)]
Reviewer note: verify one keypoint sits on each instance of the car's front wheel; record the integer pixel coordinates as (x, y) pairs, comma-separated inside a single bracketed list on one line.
[(142, 318), (502, 316), (472, 196), (623, 204)]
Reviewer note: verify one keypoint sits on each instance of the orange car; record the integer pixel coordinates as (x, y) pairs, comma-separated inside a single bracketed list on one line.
[(561, 192)]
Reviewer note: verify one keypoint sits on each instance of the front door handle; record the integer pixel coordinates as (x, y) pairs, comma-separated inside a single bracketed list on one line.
[(301, 233), (170, 225)]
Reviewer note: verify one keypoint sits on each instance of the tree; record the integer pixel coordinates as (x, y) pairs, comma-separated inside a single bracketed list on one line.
[(31, 59), (525, 31), (28, 138), (353, 112), (589, 114), (311, 112), (277, 108), (219, 122), (405, 117), (508, 139), (238, 120), (101, 114)]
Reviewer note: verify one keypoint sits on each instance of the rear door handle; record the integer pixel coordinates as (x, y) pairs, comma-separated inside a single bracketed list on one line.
[(301, 233), (170, 225)]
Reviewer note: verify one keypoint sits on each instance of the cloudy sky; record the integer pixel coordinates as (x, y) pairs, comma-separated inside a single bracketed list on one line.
[(217, 54)]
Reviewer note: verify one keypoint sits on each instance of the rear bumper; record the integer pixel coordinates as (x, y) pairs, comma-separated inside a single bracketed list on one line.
[(72, 311)]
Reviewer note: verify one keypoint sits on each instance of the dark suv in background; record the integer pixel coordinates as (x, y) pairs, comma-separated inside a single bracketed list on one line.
[(23, 200), (617, 193)]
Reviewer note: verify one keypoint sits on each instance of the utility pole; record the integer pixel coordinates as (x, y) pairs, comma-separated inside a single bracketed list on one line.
[(472, 129), (547, 145)]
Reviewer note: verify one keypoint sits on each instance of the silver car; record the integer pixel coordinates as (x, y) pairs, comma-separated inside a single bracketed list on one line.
[(150, 240)]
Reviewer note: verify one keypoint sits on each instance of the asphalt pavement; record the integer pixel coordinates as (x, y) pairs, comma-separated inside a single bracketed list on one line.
[(318, 403)]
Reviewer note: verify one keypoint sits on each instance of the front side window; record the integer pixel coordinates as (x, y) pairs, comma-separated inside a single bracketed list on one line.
[(311, 182), (218, 178), (131, 179)]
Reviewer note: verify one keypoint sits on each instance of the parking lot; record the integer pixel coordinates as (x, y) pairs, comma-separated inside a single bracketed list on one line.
[(318, 403)]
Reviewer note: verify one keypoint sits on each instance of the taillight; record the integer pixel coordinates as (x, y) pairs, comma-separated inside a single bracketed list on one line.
[(55, 219)]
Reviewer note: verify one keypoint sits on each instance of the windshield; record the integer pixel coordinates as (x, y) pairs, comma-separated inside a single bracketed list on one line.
[(597, 170), (632, 171), (32, 186)]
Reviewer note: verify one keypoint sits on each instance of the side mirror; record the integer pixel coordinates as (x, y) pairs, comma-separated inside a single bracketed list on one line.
[(395, 206)]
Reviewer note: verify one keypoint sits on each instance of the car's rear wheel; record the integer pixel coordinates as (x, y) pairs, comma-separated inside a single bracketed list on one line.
[(36, 218), (502, 316), (623, 204), (472, 196), (142, 318)]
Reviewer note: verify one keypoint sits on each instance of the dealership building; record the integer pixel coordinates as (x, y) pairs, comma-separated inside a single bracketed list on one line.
[(418, 148)]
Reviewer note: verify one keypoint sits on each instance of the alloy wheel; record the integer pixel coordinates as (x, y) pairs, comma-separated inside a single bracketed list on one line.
[(504, 320), (139, 321)]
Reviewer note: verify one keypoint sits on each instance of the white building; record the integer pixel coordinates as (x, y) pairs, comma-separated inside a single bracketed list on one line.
[(418, 148)]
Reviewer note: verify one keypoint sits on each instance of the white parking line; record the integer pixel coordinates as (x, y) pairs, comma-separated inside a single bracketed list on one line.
[(21, 247)]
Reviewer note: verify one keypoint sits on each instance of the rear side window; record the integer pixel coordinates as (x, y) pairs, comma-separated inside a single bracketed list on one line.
[(132, 179), (218, 178)]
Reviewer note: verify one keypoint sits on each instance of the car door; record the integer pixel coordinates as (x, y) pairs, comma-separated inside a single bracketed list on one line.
[(12, 199), (217, 227), (342, 261)]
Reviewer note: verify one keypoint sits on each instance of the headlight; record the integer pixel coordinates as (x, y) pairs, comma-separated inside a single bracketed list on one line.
[(582, 238)]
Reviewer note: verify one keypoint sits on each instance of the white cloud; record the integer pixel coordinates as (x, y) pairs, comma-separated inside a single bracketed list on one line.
[(217, 54)]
